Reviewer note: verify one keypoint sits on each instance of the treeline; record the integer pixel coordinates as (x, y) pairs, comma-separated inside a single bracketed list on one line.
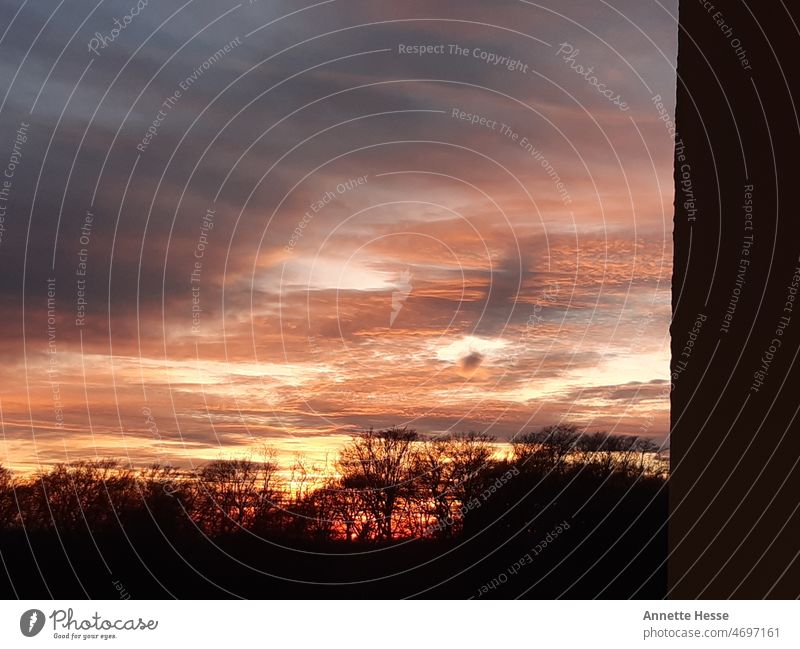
[(387, 485)]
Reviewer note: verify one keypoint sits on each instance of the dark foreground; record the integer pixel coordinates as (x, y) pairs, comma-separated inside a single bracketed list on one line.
[(613, 545)]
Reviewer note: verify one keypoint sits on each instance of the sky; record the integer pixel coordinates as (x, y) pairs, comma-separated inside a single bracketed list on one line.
[(226, 225)]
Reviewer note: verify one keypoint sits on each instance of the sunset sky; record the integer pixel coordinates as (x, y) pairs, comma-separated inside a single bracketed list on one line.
[(315, 238)]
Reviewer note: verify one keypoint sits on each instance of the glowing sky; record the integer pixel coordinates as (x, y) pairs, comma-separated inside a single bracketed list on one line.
[(372, 257)]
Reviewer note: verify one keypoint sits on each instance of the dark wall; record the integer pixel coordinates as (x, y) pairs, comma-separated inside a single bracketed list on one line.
[(735, 524)]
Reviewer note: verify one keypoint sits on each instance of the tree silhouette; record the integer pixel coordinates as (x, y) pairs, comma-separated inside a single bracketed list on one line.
[(234, 493), (7, 504), (387, 484), (547, 449), (468, 499), (87, 494), (448, 475), (376, 463)]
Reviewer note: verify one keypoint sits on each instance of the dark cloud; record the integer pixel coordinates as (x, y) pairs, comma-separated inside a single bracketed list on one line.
[(471, 361)]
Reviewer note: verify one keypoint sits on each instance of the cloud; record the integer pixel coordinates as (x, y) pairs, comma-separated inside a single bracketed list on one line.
[(515, 298), (471, 361)]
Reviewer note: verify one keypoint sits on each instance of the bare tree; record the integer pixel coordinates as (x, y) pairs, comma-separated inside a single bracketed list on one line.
[(166, 493), (316, 514), (309, 505), (432, 480), (377, 464), (271, 492), (470, 455), (234, 493), (85, 494), (547, 449), (605, 453), (350, 510), (448, 473), (7, 505), (650, 461)]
